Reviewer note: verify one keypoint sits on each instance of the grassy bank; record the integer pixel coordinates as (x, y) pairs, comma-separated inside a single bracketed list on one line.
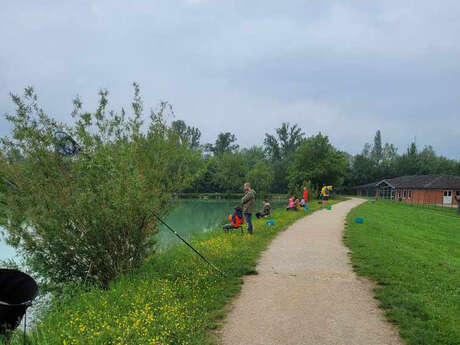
[(174, 299), (414, 255)]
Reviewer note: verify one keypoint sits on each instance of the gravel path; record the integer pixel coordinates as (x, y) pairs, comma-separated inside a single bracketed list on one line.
[(307, 293)]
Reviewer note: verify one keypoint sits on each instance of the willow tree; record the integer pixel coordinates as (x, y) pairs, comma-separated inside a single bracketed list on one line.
[(88, 217)]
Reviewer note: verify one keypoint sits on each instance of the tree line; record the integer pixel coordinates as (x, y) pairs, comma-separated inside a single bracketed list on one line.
[(378, 161), (285, 162), (288, 160)]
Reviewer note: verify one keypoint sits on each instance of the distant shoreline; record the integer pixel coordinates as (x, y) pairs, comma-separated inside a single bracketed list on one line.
[(229, 196)]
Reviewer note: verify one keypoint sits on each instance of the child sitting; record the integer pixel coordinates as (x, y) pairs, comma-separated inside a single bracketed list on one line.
[(236, 220), (297, 203), (266, 210), (291, 204)]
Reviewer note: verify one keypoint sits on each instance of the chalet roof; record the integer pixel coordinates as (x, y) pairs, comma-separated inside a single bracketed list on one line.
[(424, 182)]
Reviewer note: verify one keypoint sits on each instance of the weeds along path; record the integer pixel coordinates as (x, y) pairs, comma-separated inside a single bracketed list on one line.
[(307, 293)]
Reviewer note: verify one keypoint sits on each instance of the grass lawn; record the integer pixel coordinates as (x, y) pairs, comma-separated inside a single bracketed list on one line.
[(438, 209), (414, 255), (174, 298)]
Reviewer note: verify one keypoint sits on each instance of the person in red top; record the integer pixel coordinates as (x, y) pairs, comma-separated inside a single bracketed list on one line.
[(236, 220), (305, 194)]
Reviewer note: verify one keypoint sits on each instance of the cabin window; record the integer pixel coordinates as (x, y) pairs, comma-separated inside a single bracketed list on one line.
[(409, 194), (457, 193), (405, 194), (448, 193)]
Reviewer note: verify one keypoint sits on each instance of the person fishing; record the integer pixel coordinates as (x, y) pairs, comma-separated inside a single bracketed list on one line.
[(248, 201), (302, 202), (305, 195), (236, 220), (297, 203), (325, 193), (457, 198), (291, 204), (265, 211)]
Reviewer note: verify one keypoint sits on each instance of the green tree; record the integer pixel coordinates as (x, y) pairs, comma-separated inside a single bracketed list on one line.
[(390, 152), (374, 163), (447, 166), (260, 177), (252, 156), (317, 161), (285, 143), (230, 172), (407, 164), (88, 217), (279, 148), (188, 135), (204, 178), (280, 182), (225, 143), (362, 170), (427, 161), (377, 149)]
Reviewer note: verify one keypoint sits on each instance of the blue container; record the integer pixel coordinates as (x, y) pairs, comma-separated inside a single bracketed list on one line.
[(359, 220), (271, 222), (307, 208)]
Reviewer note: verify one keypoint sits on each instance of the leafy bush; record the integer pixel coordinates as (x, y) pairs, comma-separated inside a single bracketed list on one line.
[(87, 217)]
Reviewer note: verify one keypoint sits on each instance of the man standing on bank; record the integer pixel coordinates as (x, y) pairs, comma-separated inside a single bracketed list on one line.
[(248, 201), (457, 198)]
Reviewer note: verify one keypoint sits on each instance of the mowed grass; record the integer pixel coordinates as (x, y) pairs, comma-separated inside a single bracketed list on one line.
[(438, 210), (414, 255), (173, 299)]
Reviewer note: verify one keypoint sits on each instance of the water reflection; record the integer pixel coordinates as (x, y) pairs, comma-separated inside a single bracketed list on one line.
[(189, 217)]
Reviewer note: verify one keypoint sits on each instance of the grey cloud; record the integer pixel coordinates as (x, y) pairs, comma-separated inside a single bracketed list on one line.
[(345, 68)]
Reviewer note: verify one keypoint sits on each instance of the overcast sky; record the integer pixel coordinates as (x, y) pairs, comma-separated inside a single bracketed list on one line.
[(345, 68)]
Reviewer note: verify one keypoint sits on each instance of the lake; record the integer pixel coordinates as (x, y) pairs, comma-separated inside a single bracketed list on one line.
[(6, 252), (187, 217)]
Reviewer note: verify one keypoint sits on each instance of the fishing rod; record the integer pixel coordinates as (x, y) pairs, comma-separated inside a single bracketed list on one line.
[(188, 244), (65, 145)]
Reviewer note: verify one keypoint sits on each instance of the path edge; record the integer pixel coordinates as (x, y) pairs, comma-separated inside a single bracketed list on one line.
[(373, 284), (215, 334)]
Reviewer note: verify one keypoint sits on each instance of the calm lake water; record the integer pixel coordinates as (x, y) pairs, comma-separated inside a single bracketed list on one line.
[(6, 252), (187, 217)]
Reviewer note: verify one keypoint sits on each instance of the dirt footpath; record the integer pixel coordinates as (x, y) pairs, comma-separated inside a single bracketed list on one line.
[(307, 293)]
